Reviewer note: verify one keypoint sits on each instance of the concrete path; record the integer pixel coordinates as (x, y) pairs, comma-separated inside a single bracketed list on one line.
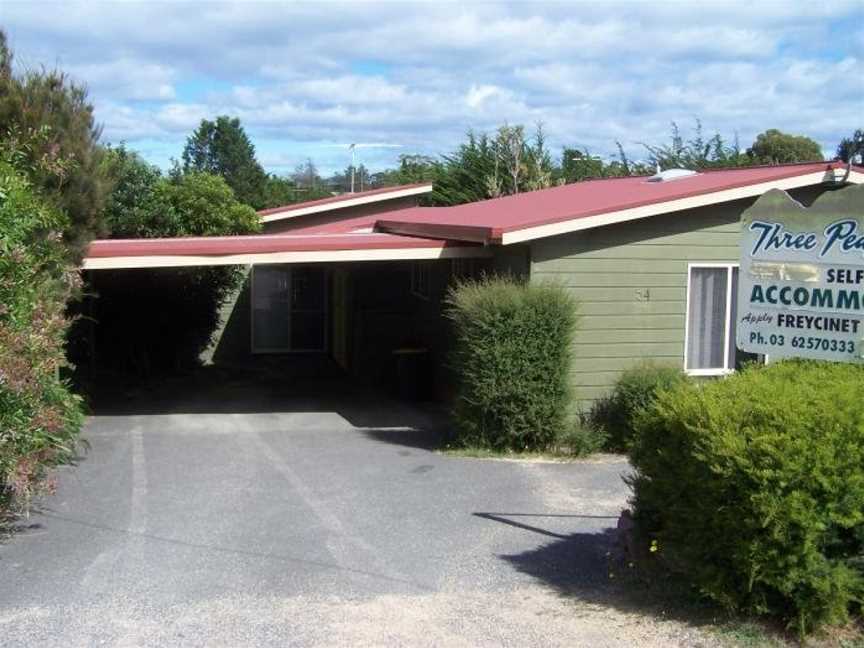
[(321, 523)]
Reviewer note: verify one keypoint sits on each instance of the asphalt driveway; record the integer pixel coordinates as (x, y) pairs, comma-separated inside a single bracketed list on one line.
[(313, 521)]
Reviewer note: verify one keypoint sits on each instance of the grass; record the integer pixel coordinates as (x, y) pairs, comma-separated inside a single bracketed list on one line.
[(749, 634), (478, 452)]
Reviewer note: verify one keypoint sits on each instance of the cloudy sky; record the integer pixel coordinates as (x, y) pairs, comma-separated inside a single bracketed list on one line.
[(306, 79)]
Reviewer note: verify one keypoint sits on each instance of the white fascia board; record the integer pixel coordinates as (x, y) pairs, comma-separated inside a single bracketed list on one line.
[(348, 202), (655, 209), (305, 256)]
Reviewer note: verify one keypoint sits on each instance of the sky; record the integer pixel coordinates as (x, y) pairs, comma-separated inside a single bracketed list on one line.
[(307, 79)]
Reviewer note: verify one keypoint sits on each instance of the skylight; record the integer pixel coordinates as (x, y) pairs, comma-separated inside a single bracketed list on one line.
[(672, 174)]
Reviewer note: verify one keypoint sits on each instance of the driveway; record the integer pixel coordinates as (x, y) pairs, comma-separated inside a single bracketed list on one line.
[(301, 520)]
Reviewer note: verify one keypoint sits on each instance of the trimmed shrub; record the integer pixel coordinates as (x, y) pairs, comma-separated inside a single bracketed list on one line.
[(635, 390), (39, 416), (512, 360), (752, 488)]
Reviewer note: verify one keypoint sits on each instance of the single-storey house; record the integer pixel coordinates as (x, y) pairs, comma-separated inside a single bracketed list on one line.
[(361, 277)]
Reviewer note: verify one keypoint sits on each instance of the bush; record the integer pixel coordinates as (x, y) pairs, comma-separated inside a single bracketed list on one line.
[(753, 488), (39, 416), (512, 360), (635, 390), (580, 439)]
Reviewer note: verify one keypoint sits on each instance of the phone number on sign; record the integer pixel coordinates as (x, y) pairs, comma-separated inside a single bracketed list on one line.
[(814, 343)]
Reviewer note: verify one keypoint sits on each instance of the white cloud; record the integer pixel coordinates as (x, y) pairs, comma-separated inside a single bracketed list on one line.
[(300, 75)]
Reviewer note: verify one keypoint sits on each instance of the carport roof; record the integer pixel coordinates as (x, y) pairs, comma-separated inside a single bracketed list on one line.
[(269, 248)]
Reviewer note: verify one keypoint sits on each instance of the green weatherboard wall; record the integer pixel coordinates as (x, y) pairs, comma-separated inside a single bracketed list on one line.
[(631, 280)]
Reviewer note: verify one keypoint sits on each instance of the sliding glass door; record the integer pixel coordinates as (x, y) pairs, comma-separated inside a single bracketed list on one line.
[(289, 308)]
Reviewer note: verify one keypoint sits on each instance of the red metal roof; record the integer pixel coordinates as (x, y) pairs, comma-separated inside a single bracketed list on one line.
[(479, 222), (256, 244), (346, 197), (487, 220)]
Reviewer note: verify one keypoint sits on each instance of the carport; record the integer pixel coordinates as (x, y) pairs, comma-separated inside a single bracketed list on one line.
[(369, 301)]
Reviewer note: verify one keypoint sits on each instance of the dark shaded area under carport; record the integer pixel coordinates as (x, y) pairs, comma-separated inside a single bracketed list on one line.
[(290, 384)]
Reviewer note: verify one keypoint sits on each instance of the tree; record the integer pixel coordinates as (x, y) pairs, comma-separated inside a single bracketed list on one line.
[(306, 176), (133, 181), (278, 191), (483, 167), (342, 181), (851, 149), (696, 153), (161, 319), (415, 169), (49, 122), (579, 165), (223, 148), (776, 147)]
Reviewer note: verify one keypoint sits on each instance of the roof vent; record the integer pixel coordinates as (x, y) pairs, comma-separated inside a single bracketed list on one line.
[(671, 174)]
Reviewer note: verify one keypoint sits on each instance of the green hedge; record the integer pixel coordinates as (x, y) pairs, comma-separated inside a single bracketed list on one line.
[(635, 389), (39, 416), (512, 359), (752, 487)]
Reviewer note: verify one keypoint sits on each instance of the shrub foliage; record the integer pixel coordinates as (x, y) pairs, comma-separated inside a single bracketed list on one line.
[(152, 320), (636, 389), (512, 360), (39, 417), (753, 488), (50, 119)]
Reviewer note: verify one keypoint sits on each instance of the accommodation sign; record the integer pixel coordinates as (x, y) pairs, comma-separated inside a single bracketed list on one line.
[(801, 279)]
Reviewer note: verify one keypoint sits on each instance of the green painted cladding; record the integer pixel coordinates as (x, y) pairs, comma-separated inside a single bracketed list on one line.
[(631, 281)]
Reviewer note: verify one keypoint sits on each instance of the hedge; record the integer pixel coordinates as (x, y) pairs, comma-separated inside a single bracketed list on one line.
[(752, 488), (635, 389), (39, 416), (512, 360)]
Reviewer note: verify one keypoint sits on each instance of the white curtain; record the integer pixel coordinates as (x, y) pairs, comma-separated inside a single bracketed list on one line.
[(707, 324)]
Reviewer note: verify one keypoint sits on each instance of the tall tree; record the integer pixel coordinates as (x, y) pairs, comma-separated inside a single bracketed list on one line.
[(306, 176), (484, 167), (49, 121), (223, 148), (851, 149), (695, 153), (776, 147), (415, 169)]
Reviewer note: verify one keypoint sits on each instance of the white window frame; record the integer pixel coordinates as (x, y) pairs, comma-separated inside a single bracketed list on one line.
[(726, 369)]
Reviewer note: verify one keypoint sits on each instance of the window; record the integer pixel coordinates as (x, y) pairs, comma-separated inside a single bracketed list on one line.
[(420, 279), (461, 269), (712, 296), (289, 308)]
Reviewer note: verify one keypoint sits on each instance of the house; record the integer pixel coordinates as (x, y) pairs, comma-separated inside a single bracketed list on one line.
[(361, 277)]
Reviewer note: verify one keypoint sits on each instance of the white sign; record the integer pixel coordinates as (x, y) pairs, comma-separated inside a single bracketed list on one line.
[(801, 280)]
